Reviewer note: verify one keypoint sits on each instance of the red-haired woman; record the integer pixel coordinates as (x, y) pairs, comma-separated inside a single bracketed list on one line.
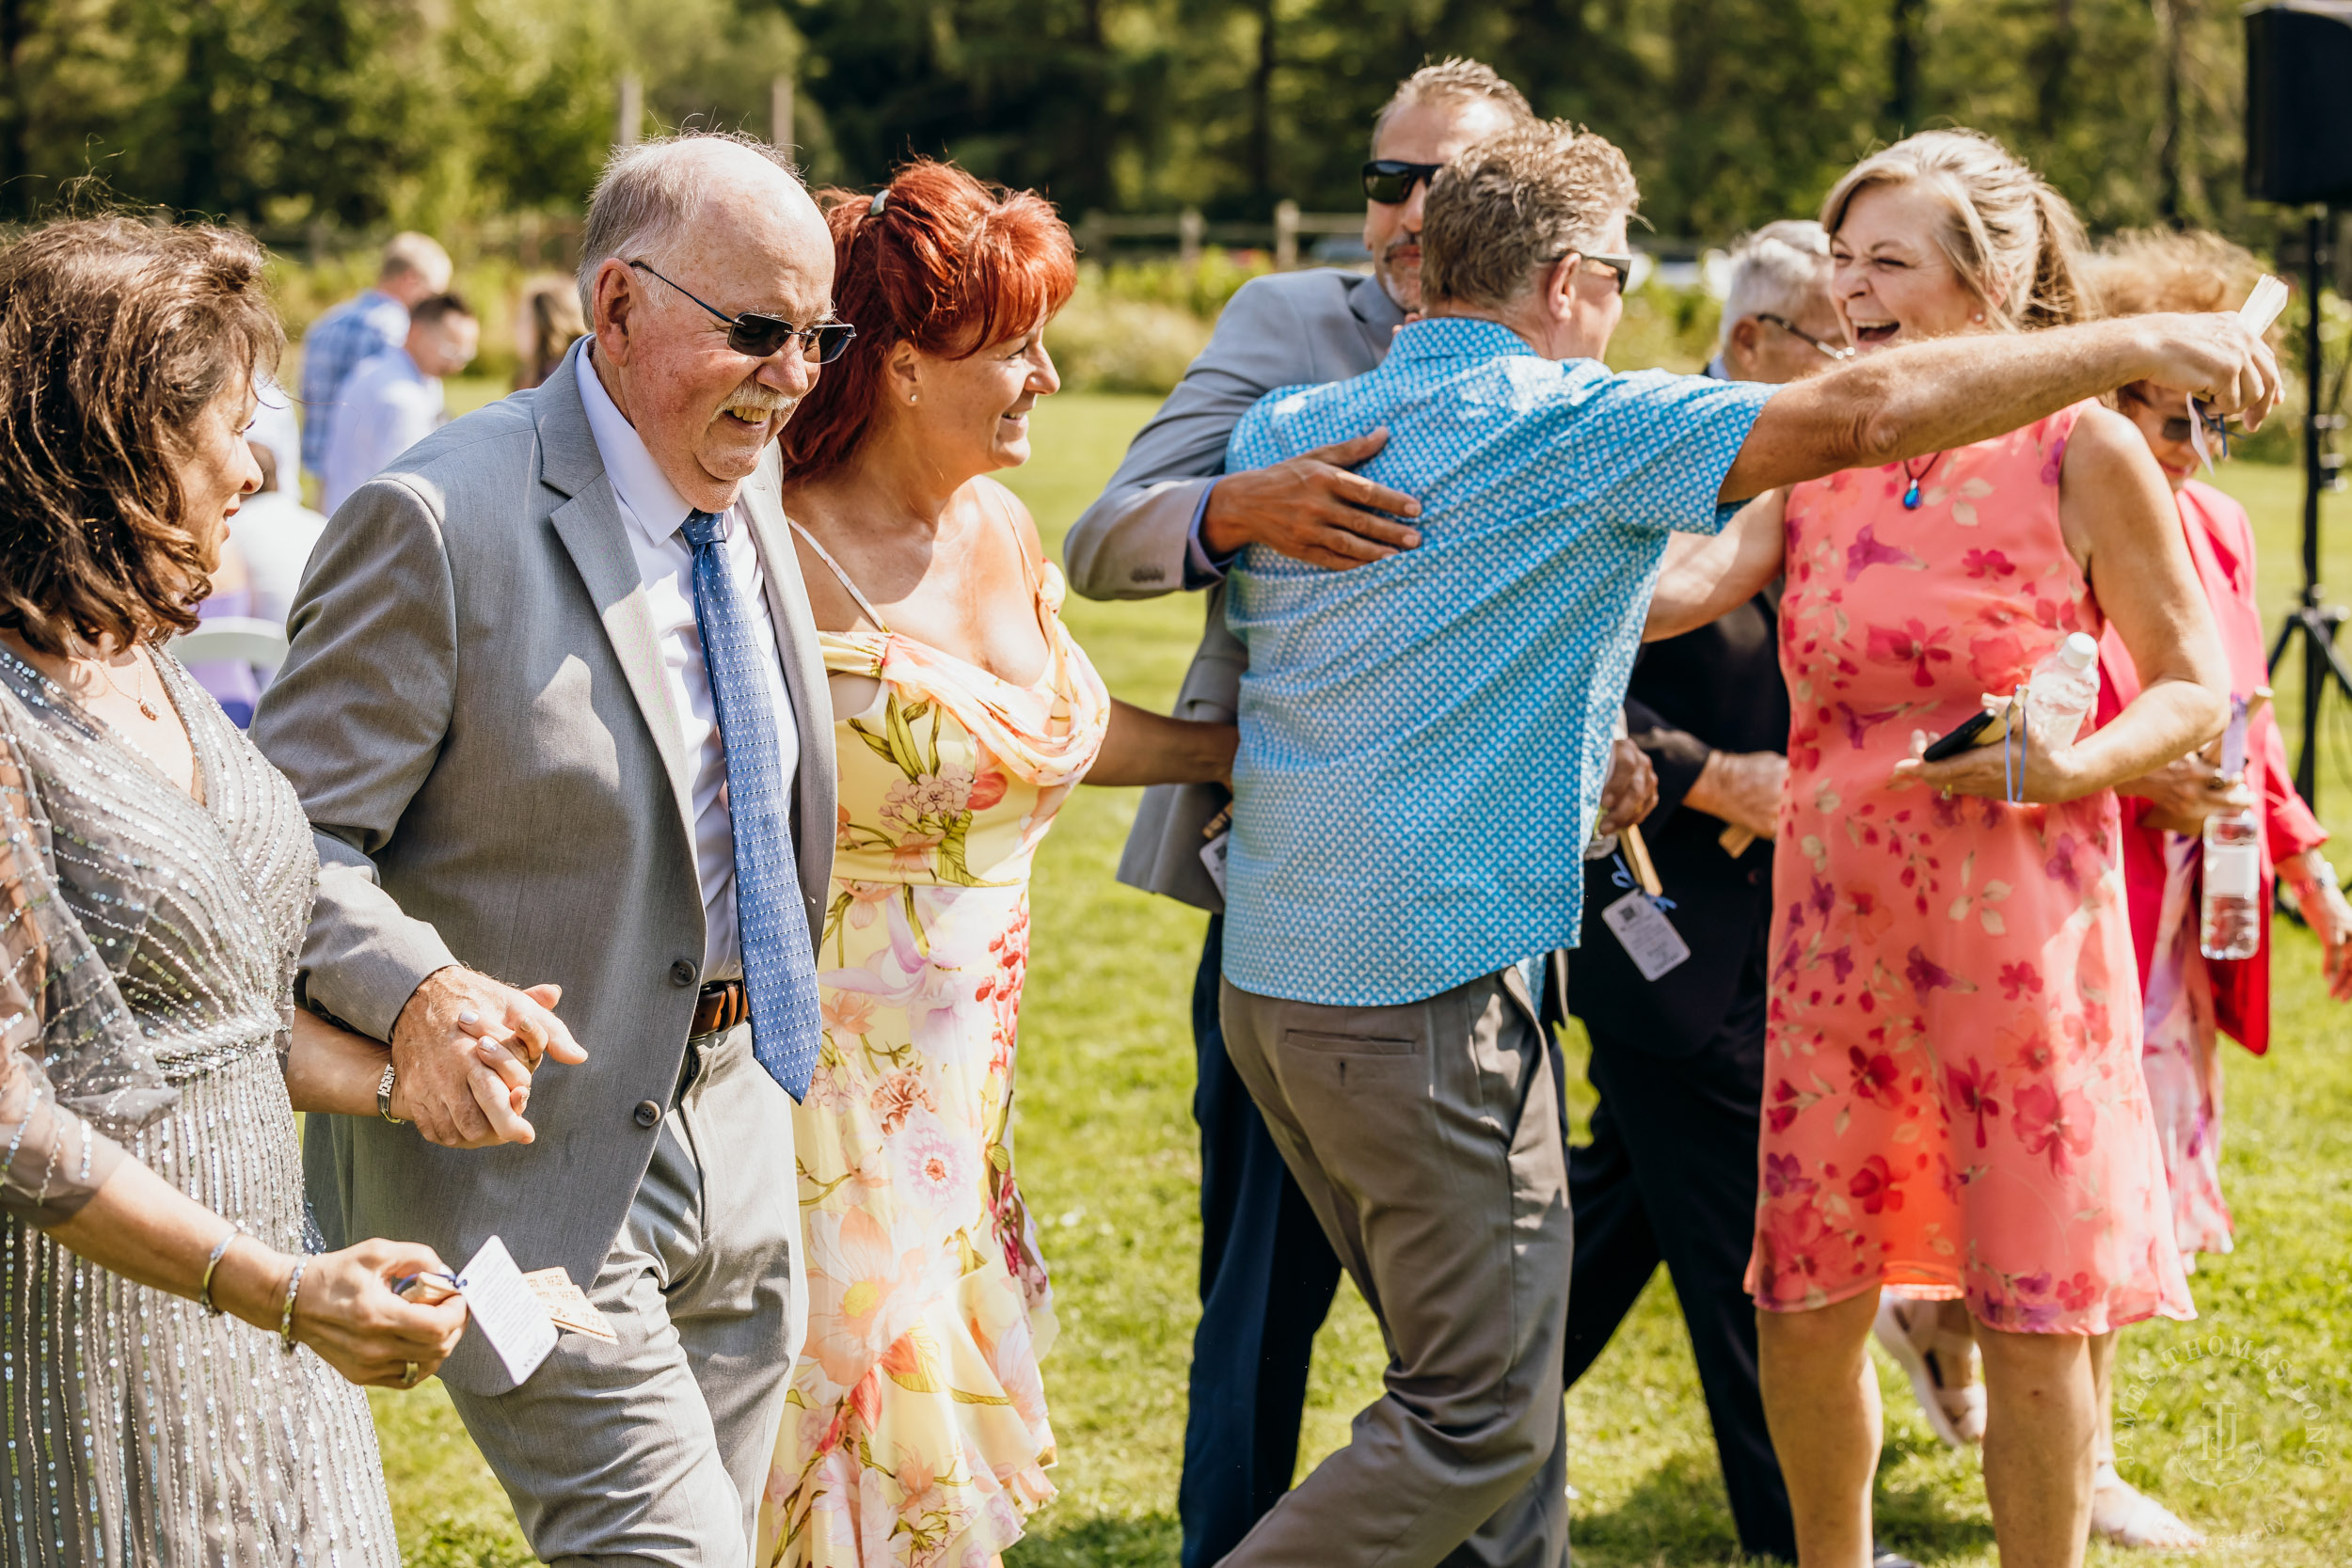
[(917, 1431)]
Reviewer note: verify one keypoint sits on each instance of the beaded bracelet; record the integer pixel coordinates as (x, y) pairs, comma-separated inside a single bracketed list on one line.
[(294, 1286), (204, 1290)]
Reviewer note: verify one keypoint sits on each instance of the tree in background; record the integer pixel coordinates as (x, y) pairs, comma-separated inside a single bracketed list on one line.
[(359, 115)]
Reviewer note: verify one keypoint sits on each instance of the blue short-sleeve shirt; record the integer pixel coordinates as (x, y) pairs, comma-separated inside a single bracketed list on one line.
[(1423, 738)]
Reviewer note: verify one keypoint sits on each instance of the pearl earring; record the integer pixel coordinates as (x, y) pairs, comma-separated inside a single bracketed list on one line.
[(914, 397)]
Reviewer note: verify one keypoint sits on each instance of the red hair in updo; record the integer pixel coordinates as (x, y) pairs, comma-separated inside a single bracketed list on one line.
[(948, 265)]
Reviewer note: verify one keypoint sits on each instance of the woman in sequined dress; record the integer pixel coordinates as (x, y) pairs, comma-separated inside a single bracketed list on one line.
[(155, 876)]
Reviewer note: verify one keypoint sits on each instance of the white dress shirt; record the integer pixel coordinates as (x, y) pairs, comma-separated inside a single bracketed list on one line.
[(655, 512), (386, 406)]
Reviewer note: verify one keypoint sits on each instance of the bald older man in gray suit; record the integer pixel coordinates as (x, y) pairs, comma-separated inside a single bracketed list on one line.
[(556, 712)]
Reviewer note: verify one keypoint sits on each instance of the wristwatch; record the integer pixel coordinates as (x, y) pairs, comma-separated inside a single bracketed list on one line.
[(383, 1095)]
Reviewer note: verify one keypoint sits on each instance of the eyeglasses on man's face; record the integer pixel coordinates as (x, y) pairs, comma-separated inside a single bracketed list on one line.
[(1620, 267), (759, 336), (1835, 351), (1390, 180)]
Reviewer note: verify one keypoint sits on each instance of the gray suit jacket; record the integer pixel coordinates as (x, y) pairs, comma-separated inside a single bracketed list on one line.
[(475, 717), (1281, 330)]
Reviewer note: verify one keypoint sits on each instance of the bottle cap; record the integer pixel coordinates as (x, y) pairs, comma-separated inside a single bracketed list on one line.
[(2079, 651)]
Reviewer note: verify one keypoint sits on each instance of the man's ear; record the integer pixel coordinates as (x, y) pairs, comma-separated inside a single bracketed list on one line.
[(1744, 332), (616, 300), (1559, 286)]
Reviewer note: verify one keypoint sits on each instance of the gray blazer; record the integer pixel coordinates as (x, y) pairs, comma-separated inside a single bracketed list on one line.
[(475, 717), (1281, 330)]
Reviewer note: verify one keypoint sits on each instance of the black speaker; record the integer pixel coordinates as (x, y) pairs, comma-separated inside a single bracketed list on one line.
[(2298, 103)]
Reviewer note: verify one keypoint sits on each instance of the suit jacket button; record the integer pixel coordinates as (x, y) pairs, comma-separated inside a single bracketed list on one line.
[(648, 1112), (682, 974)]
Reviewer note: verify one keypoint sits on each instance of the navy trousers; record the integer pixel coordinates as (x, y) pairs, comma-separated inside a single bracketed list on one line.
[(1266, 1280), (1670, 1176)]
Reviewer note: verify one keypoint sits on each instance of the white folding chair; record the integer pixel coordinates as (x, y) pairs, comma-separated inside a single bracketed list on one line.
[(235, 639)]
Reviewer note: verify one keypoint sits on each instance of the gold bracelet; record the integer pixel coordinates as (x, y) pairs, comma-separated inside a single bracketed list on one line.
[(204, 1290), (384, 1096)]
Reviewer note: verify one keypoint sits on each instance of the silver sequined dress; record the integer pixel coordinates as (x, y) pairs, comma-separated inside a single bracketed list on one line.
[(147, 947)]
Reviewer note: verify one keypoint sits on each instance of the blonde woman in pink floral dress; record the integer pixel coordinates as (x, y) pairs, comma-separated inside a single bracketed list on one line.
[(916, 1430), (1954, 1103)]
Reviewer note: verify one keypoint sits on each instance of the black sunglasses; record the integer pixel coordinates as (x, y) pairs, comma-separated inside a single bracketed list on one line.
[(1390, 180), (759, 336), (1834, 351), (1621, 265), (2176, 427)]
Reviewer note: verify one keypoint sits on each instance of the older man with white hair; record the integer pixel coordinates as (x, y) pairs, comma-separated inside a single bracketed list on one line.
[(1778, 324), (556, 711)]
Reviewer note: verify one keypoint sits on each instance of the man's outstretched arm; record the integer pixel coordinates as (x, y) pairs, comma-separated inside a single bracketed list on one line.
[(1923, 398)]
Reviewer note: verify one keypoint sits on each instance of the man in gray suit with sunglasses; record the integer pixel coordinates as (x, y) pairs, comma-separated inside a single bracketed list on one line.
[(556, 713)]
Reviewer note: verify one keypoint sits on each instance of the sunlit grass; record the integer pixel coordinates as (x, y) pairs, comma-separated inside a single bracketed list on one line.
[(1111, 1163)]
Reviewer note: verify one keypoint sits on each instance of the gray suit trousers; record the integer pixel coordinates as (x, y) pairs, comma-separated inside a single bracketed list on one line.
[(1427, 1139), (655, 1450)]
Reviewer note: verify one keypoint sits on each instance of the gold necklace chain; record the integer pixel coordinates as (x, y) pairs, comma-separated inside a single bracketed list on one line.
[(145, 706)]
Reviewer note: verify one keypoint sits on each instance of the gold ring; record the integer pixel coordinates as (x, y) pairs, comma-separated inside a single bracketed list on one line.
[(408, 1375), (1948, 794)]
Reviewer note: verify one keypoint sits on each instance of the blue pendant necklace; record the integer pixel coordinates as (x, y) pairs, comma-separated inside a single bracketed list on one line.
[(1910, 493)]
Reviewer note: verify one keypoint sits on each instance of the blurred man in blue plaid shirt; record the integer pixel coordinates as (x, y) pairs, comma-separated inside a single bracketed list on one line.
[(371, 322)]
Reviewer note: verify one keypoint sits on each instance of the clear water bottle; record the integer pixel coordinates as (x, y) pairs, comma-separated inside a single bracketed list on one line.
[(2230, 924), (2063, 690)]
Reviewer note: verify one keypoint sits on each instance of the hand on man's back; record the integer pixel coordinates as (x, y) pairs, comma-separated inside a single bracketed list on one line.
[(1313, 508), (438, 1048)]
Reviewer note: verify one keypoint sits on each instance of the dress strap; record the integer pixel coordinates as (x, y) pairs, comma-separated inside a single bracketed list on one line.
[(1029, 567), (851, 588)]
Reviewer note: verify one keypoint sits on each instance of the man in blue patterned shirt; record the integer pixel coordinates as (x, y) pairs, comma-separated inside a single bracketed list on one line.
[(374, 321), (1422, 739)]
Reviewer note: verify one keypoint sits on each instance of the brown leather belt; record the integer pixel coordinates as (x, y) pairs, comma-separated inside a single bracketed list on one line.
[(720, 1006)]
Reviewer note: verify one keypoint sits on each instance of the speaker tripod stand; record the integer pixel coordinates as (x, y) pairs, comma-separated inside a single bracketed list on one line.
[(2312, 621)]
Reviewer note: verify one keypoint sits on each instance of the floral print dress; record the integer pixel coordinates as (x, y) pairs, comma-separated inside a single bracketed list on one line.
[(916, 1430), (1953, 1096)]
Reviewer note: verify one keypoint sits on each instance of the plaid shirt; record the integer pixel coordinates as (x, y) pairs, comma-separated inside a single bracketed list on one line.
[(359, 329)]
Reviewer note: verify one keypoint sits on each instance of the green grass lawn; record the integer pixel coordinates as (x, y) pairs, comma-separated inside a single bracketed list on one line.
[(1110, 1164)]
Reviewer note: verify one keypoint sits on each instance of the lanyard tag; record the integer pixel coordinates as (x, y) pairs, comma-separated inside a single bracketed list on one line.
[(1648, 938)]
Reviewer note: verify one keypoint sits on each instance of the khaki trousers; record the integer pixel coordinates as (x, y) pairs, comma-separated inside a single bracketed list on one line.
[(1427, 1139)]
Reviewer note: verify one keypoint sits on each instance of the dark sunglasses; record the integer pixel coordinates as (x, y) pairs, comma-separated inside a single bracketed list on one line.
[(2176, 427), (759, 336), (1621, 265), (1834, 351), (1390, 180)]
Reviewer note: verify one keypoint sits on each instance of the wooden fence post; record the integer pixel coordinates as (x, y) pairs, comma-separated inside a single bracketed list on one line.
[(630, 123), (779, 112), (1190, 230), (1285, 235)]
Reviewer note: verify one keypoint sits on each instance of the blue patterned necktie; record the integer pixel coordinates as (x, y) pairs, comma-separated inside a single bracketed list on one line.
[(770, 921)]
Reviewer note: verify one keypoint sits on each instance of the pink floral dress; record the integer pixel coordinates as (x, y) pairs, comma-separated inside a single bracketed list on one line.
[(1953, 1096), (916, 1430)]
